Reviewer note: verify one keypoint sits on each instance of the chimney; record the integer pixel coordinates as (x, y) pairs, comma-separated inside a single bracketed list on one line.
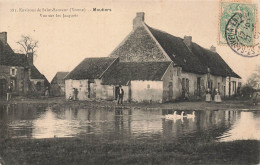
[(187, 40), (3, 37), (30, 58), (213, 48), (138, 20)]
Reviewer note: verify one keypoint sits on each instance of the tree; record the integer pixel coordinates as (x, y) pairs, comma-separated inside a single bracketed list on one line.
[(28, 45), (254, 80)]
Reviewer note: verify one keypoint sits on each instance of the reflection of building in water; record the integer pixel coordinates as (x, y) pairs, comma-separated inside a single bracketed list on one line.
[(124, 124), (16, 120), (146, 121), (205, 121)]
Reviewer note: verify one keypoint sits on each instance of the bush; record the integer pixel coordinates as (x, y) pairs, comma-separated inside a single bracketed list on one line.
[(247, 91), (32, 94)]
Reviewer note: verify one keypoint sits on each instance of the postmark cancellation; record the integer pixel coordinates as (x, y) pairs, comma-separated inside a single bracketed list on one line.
[(237, 28)]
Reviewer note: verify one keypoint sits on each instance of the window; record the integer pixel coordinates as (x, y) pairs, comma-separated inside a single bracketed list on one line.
[(187, 85), (171, 75), (13, 71), (178, 71), (223, 79), (38, 86), (148, 86)]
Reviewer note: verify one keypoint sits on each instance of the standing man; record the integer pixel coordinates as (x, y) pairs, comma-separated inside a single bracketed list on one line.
[(76, 93), (9, 92), (120, 95)]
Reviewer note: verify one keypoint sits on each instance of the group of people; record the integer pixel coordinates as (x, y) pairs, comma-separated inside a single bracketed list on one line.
[(215, 95)]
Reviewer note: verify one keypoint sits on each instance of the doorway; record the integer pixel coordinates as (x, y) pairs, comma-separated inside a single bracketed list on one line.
[(198, 86), (170, 91), (3, 86), (116, 92)]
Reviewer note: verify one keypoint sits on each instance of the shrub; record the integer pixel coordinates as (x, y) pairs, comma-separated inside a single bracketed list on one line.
[(247, 91)]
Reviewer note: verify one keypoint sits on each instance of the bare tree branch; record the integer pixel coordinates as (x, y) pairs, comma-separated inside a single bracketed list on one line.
[(28, 45)]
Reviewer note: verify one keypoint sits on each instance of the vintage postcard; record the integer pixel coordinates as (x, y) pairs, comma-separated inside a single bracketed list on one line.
[(129, 82)]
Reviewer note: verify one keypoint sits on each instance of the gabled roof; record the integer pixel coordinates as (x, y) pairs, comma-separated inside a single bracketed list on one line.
[(196, 59), (178, 51), (91, 68), (213, 60), (36, 74), (5, 48), (59, 78), (124, 72), (9, 58)]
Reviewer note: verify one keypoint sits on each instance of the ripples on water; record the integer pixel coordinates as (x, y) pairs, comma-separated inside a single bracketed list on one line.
[(42, 121)]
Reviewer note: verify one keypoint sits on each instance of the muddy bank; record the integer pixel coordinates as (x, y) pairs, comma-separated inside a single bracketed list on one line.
[(235, 104)]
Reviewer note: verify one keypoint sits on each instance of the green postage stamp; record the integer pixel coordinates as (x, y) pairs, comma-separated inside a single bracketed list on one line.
[(237, 28)]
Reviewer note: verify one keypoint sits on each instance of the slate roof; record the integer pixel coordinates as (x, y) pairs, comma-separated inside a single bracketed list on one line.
[(36, 74), (123, 72), (91, 68), (196, 59), (59, 78), (9, 58)]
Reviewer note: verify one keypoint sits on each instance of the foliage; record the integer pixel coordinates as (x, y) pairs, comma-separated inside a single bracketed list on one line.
[(254, 80), (247, 90)]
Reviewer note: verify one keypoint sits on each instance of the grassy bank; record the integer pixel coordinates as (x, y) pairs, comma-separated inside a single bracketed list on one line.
[(81, 151)]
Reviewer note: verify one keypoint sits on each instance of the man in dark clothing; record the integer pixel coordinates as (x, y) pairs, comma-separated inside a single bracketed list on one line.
[(120, 95), (76, 93)]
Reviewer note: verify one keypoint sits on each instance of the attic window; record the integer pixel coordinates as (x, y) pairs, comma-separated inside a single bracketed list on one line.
[(13, 71), (185, 60)]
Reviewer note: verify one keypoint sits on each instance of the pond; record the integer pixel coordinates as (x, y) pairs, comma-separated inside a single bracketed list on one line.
[(116, 124)]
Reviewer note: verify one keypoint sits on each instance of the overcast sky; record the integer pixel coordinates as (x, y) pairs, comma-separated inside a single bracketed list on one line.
[(65, 42)]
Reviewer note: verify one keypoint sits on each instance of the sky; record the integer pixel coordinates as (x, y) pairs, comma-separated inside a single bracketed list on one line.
[(65, 42)]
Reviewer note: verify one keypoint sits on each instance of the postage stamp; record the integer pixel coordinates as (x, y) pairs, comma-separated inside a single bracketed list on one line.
[(237, 28)]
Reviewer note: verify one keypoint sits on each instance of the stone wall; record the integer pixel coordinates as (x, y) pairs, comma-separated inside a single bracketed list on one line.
[(192, 80), (233, 87), (146, 91), (168, 84), (139, 47), (81, 85), (20, 78)]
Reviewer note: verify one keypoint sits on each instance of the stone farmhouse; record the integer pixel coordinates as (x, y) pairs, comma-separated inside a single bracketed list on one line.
[(18, 71), (153, 65)]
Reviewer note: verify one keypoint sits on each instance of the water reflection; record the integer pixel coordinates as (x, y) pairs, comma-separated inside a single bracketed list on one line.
[(43, 121), (247, 127)]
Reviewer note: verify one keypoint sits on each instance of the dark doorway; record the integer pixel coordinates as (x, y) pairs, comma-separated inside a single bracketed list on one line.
[(210, 85), (3, 86), (224, 91), (198, 86), (183, 87), (170, 91), (116, 92)]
